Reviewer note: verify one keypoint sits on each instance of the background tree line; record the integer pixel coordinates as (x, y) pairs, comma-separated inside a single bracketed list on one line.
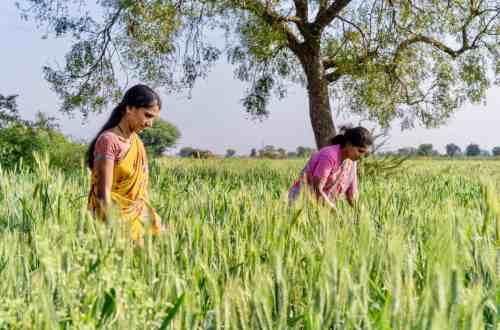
[(423, 150), (451, 150), (21, 139)]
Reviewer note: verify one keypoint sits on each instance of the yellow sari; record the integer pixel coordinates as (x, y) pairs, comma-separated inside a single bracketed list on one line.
[(129, 191)]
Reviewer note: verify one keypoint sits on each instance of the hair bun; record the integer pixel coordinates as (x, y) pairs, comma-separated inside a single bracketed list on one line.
[(344, 128), (357, 136)]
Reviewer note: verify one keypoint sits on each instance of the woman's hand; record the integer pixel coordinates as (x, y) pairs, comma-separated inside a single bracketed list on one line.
[(318, 186), (351, 201)]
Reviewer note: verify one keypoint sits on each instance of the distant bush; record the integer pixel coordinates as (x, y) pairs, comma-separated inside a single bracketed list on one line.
[(452, 150), (473, 150), (188, 152), (230, 153), (425, 150), (20, 142), (407, 151), (304, 152), (271, 152)]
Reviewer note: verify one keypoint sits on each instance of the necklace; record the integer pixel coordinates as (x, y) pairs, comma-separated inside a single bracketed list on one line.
[(123, 133)]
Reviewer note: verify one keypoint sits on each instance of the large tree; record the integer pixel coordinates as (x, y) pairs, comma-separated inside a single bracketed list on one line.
[(160, 137), (416, 60)]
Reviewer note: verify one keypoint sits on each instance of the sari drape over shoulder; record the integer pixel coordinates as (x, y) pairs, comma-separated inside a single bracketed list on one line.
[(129, 191)]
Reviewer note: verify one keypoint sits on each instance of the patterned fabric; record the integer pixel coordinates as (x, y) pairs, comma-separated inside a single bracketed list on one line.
[(110, 146), (129, 191), (341, 177)]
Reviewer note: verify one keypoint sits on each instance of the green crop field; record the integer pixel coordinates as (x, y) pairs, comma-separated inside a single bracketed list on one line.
[(421, 250)]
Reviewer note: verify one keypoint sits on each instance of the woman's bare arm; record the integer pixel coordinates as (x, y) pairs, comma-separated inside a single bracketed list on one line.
[(318, 185), (104, 175), (352, 191)]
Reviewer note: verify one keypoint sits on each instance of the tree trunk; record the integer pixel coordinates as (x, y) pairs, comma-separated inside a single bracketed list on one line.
[(319, 101)]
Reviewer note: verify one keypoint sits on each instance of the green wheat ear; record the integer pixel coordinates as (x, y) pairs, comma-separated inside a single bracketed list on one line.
[(491, 209), (418, 251)]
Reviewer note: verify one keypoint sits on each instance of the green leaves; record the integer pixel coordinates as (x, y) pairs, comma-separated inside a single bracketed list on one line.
[(172, 312), (160, 137), (385, 60), (473, 73), (255, 102), (19, 142), (108, 308)]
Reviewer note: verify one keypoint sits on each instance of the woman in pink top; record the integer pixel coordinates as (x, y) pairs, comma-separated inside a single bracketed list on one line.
[(331, 171)]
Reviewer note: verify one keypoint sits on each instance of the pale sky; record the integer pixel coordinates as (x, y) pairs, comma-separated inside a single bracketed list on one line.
[(213, 118)]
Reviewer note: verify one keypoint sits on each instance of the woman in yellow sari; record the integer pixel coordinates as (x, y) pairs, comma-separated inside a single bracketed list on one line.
[(119, 167)]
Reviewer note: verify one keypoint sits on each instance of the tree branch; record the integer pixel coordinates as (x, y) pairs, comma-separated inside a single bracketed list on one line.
[(466, 45), (302, 9), (483, 31), (363, 34), (106, 33), (275, 20), (329, 63), (417, 38), (323, 4), (327, 15), (333, 76)]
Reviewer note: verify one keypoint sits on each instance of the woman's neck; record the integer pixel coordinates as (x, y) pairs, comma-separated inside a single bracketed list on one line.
[(343, 154), (124, 129)]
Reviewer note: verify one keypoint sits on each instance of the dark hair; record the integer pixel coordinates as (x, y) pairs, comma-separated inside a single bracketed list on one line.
[(357, 136), (139, 96)]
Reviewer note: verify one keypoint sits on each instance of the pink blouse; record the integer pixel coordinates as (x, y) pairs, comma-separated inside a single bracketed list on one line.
[(341, 177), (110, 146)]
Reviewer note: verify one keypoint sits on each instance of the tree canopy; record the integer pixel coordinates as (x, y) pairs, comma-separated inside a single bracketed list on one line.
[(160, 137), (8, 110), (414, 60)]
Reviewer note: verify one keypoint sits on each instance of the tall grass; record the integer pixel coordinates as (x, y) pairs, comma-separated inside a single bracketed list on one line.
[(420, 250)]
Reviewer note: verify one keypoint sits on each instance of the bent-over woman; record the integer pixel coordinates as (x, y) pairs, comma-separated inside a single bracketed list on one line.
[(331, 172)]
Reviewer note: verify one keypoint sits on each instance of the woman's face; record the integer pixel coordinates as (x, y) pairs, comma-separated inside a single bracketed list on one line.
[(140, 118), (354, 152)]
